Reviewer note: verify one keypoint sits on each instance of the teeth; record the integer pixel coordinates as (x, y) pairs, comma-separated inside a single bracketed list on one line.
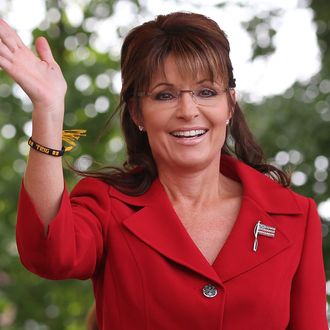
[(191, 133)]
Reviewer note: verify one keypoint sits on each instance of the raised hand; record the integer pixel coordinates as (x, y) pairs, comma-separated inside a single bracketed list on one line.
[(42, 80), (39, 76)]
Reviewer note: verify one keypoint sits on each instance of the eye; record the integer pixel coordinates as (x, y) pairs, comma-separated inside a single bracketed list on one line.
[(206, 92), (164, 96)]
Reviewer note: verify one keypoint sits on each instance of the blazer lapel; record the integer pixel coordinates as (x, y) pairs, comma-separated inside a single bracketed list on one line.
[(262, 198), (237, 255), (158, 226)]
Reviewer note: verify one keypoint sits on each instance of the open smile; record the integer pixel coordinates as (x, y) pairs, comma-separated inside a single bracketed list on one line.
[(189, 133)]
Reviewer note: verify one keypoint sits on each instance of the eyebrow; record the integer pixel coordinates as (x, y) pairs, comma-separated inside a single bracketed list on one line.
[(167, 84)]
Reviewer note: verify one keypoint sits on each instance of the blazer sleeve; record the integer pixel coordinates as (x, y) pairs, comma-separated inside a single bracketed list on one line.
[(73, 244), (308, 293)]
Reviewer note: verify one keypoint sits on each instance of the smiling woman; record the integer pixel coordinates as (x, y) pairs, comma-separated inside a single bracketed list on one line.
[(154, 56), (193, 232), (175, 116)]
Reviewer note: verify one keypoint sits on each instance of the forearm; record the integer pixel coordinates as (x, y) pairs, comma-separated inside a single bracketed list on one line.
[(43, 178), (42, 80)]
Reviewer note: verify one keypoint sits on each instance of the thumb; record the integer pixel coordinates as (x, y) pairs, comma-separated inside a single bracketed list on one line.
[(43, 50)]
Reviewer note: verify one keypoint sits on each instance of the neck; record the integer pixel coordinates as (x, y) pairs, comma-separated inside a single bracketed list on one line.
[(196, 188)]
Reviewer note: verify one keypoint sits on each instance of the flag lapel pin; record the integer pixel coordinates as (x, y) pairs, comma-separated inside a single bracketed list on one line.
[(263, 230)]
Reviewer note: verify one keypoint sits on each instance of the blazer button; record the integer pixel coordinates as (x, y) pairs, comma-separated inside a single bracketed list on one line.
[(209, 291)]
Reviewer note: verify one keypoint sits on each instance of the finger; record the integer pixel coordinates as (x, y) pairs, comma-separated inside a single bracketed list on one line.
[(4, 51), (43, 50), (9, 36), (5, 56), (5, 64)]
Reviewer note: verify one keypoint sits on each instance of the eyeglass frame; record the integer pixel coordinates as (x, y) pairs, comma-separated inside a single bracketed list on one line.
[(179, 93)]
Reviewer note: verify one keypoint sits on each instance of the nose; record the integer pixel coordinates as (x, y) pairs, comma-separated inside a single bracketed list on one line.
[(187, 108)]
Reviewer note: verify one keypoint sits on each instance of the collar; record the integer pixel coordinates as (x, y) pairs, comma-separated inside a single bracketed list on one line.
[(265, 192)]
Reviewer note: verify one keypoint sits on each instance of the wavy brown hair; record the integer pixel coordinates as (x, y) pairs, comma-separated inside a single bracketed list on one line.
[(199, 46)]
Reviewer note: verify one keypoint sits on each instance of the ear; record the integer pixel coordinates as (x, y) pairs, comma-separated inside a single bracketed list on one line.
[(134, 113), (232, 93)]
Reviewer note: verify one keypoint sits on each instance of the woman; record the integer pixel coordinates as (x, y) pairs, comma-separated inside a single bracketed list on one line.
[(194, 232)]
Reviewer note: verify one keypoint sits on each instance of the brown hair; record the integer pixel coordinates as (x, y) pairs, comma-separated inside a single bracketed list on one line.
[(199, 46), (91, 320)]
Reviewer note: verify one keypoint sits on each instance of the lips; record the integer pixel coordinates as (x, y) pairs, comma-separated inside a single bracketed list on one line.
[(188, 133)]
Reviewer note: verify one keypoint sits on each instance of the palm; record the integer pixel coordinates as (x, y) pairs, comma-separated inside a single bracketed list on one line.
[(40, 77)]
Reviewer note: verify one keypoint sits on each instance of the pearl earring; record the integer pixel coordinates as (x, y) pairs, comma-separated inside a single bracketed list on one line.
[(227, 121), (141, 128)]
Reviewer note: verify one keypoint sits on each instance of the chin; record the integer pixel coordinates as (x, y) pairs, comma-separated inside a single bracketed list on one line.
[(187, 159), (194, 162)]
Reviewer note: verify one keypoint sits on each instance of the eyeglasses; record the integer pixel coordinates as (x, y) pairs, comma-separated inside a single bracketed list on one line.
[(206, 97)]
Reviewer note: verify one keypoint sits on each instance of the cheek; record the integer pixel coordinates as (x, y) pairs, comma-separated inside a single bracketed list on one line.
[(155, 126), (217, 117), (155, 120)]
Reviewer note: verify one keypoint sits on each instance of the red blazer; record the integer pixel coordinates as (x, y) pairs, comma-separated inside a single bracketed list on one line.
[(148, 273)]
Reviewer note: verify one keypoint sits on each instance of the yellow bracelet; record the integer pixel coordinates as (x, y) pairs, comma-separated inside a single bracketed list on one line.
[(71, 137)]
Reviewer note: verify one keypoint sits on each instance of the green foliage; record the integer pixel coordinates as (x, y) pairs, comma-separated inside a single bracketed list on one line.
[(297, 121)]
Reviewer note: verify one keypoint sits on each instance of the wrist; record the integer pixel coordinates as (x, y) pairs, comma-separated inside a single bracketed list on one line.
[(47, 128), (48, 118), (51, 108)]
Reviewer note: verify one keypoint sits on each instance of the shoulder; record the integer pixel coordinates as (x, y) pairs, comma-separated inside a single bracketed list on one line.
[(90, 184), (89, 189), (103, 192), (264, 190), (305, 203)]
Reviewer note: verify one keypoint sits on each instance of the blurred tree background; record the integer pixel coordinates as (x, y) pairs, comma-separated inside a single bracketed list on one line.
[(292, 127)]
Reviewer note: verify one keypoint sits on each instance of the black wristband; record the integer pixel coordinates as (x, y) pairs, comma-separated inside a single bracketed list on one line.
[(45, 150)]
